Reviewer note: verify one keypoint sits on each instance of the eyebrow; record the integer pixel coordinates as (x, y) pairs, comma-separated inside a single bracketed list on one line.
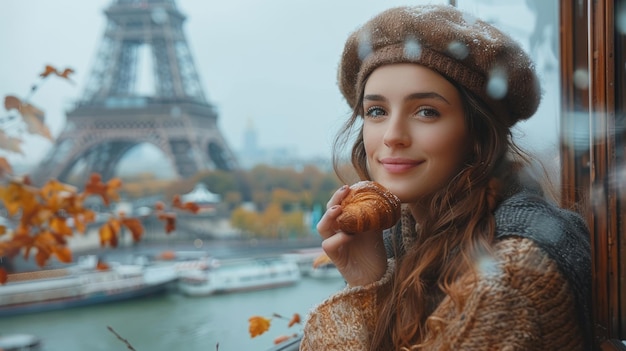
[(414, 96)]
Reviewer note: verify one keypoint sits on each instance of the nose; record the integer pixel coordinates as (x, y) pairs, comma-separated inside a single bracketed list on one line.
[(397, 132)]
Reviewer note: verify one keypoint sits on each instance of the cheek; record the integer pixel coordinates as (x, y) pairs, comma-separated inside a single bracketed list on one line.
[(371, 140), (447, 147)]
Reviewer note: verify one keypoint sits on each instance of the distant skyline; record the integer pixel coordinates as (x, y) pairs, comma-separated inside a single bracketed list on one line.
[(272, 62)]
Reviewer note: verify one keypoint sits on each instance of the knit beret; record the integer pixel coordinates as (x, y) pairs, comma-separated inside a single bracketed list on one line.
[(462, 48)]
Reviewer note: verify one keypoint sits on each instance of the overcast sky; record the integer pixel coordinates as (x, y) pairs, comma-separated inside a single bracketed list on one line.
[(271, 62)]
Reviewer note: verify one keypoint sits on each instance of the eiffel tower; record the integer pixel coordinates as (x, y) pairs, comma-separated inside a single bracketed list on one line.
[(112, 117)]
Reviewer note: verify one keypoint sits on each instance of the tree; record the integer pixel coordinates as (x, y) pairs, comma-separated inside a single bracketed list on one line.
[(47, 216)]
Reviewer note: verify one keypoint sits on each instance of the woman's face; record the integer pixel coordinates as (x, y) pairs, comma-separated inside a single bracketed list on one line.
[(414, 130)]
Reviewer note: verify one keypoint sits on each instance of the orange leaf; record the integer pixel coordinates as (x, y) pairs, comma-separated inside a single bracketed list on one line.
[(34, 119), (3, 276), (170, 221), (3, 230), (12, 103), (102, 266), (52, 70), (107, 191), (59, 225), (186, 206), (282, 339), (135, 227), (294, 320), (48, 71), (95, 186), (81, 219), (9, 249), (159, 206), (42, 257), (113, 186), (321, 260), (258, 325), (108, 233), (55, 188), (64, 254), (65, 74), (17, 196)]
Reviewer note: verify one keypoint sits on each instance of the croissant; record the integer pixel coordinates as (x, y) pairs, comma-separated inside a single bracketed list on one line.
[(369, 206)]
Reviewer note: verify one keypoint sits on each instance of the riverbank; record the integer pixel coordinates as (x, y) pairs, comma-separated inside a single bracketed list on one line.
[(218, 248)]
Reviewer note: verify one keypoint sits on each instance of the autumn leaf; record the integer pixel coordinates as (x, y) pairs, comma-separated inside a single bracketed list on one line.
[(31, 115), (294, 320), (48, 70), (170, 221), (64, 254), (258, 325), (159, 206), (113, 187), (42, 257), (53, 187), (49, 244), (107, 191), (59, 226), (12, 103), (9, 249), (95, 186), (3, 276), (82, 218), (109, 233), (281, 339), (185, 206), (135, 227), (321, 260), (3, 230), (66, 73), (102, 266), (17, 196), (34, 119)]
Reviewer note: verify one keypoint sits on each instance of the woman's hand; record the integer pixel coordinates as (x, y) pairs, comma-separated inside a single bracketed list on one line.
[(361, 258)]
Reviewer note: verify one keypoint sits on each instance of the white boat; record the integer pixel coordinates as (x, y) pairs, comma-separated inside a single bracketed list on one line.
[(239, 275), (20, 342), (81, 285)]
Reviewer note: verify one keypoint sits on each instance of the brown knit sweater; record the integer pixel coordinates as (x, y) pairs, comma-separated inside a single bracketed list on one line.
[(522, 302)]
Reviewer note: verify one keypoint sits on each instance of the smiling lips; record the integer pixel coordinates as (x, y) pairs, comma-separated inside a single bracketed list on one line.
[(399, 165)]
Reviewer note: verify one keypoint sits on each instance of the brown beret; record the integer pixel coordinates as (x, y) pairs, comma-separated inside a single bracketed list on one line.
[(462, 48)]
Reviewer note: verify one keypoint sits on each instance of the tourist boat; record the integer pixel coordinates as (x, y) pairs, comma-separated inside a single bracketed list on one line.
[(239, 275), (80, 285), (20, 342)]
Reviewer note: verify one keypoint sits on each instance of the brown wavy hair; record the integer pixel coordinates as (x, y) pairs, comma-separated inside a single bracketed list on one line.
[(459, 227)]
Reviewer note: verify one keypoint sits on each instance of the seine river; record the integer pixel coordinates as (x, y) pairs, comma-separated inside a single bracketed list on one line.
[(175, 322)]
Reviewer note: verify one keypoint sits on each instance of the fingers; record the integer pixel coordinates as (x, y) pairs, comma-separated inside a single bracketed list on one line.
[(337, 197), (327, 226), (333, 244)]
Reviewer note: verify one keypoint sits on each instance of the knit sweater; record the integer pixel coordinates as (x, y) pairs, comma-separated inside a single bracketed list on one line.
[(534, 295)]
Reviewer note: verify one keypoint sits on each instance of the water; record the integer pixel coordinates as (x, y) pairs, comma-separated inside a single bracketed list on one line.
[(174, 321)]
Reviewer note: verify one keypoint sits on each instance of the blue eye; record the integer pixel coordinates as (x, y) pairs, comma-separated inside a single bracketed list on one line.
[(428, 112), (375, 111)]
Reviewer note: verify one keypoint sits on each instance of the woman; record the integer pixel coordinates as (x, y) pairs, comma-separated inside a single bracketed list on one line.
[(480, 260)]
